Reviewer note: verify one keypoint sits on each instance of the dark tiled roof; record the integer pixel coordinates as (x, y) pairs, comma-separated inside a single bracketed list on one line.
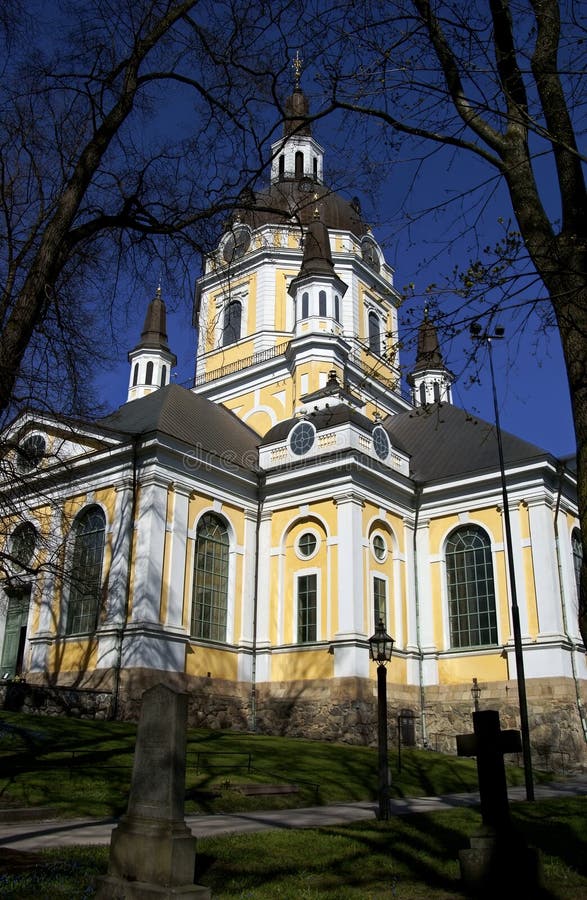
[(337, 414), (181, 414), (444, 441)]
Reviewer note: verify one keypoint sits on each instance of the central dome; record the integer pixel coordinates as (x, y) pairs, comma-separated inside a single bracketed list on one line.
[(294, 200)]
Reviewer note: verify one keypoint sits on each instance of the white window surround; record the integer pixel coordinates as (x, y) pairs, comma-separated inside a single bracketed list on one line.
[(69, 547), (232, 555), (239, 295), (301, 573), (379, 534), (316, 535), (373, 574)]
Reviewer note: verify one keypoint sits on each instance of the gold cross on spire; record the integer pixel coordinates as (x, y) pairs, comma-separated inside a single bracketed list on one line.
[(297, 67)]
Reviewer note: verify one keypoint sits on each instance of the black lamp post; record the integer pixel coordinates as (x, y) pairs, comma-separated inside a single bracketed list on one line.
[(486, 338), (475, 694), (380, 650)]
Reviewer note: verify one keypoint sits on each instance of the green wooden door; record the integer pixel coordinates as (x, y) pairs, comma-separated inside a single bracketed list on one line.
[(15, 633)]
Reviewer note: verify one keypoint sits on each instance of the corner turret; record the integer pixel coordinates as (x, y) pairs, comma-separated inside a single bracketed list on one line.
[(430, 380), (151, 360)]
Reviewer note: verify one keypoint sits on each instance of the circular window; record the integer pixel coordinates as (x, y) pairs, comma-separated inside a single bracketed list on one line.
[(379, 547), (381, 442), (301, 438), (30, 453), (307, 544)]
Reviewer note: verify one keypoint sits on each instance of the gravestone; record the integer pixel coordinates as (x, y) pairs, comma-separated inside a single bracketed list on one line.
[(499, 860), (152, 851)]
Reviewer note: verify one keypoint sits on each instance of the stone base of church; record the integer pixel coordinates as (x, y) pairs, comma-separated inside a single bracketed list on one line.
[(343, 710)]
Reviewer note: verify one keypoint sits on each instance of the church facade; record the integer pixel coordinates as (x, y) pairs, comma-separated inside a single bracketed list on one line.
[(241, 539)]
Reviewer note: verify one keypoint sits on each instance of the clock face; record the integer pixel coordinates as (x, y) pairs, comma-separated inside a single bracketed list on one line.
[(370, 254), (236, 244)]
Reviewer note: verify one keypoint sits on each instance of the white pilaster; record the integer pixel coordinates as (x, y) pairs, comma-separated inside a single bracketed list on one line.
[(177, 568), (351, 620), (50, 611), (545, 571), (248, 600), (150, 540), (518, 551), (120, 552)]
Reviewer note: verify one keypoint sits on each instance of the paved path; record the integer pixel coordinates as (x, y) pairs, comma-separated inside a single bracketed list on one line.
[(60, 833)]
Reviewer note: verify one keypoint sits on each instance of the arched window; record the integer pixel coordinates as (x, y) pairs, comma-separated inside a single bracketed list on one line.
[(87, 555), (374, 333), (232, 323), (315, 168), (281, 167), (471, 593), (163, 376), (337, 307), (436, 392), (135, 375), (322, 303), (305, 305), (210, 597), (149, 374), (577, 556), (299, 164), (423, 394)]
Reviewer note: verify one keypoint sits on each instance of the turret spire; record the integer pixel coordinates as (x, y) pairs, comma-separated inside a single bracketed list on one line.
[(430, 379), (151, 360)]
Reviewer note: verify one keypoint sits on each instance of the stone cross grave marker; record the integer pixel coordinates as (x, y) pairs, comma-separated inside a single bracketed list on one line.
[(499, 859), (488, 743)]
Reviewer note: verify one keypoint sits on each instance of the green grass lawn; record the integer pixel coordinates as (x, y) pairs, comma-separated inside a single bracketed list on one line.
[(83, 768), (408, 857)]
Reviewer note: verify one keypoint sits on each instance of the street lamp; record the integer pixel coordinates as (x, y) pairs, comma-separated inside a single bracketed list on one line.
[(380, 650), (475, 694), (486, 338)]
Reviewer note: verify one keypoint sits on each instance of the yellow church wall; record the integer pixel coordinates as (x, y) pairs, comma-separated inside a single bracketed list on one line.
[(462, 669), (281, 297), (524, 515), (73, 655), (397, 672), (285, 536), (531, 600), (199, 661), (499, 574), (302, 665)]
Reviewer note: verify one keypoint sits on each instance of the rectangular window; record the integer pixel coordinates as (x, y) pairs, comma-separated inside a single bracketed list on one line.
[(307, 608), (379, 601)]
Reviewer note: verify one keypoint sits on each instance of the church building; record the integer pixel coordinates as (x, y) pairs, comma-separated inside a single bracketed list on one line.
[(241, 540)]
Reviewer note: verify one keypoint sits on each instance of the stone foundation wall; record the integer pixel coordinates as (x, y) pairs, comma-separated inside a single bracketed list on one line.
[(343, 710)]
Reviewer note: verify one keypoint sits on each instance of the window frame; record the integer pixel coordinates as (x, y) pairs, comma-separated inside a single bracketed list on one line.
[(471, 604), (314, 576), (228, 325), (379, 580), (88, 601), (203, 627)]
